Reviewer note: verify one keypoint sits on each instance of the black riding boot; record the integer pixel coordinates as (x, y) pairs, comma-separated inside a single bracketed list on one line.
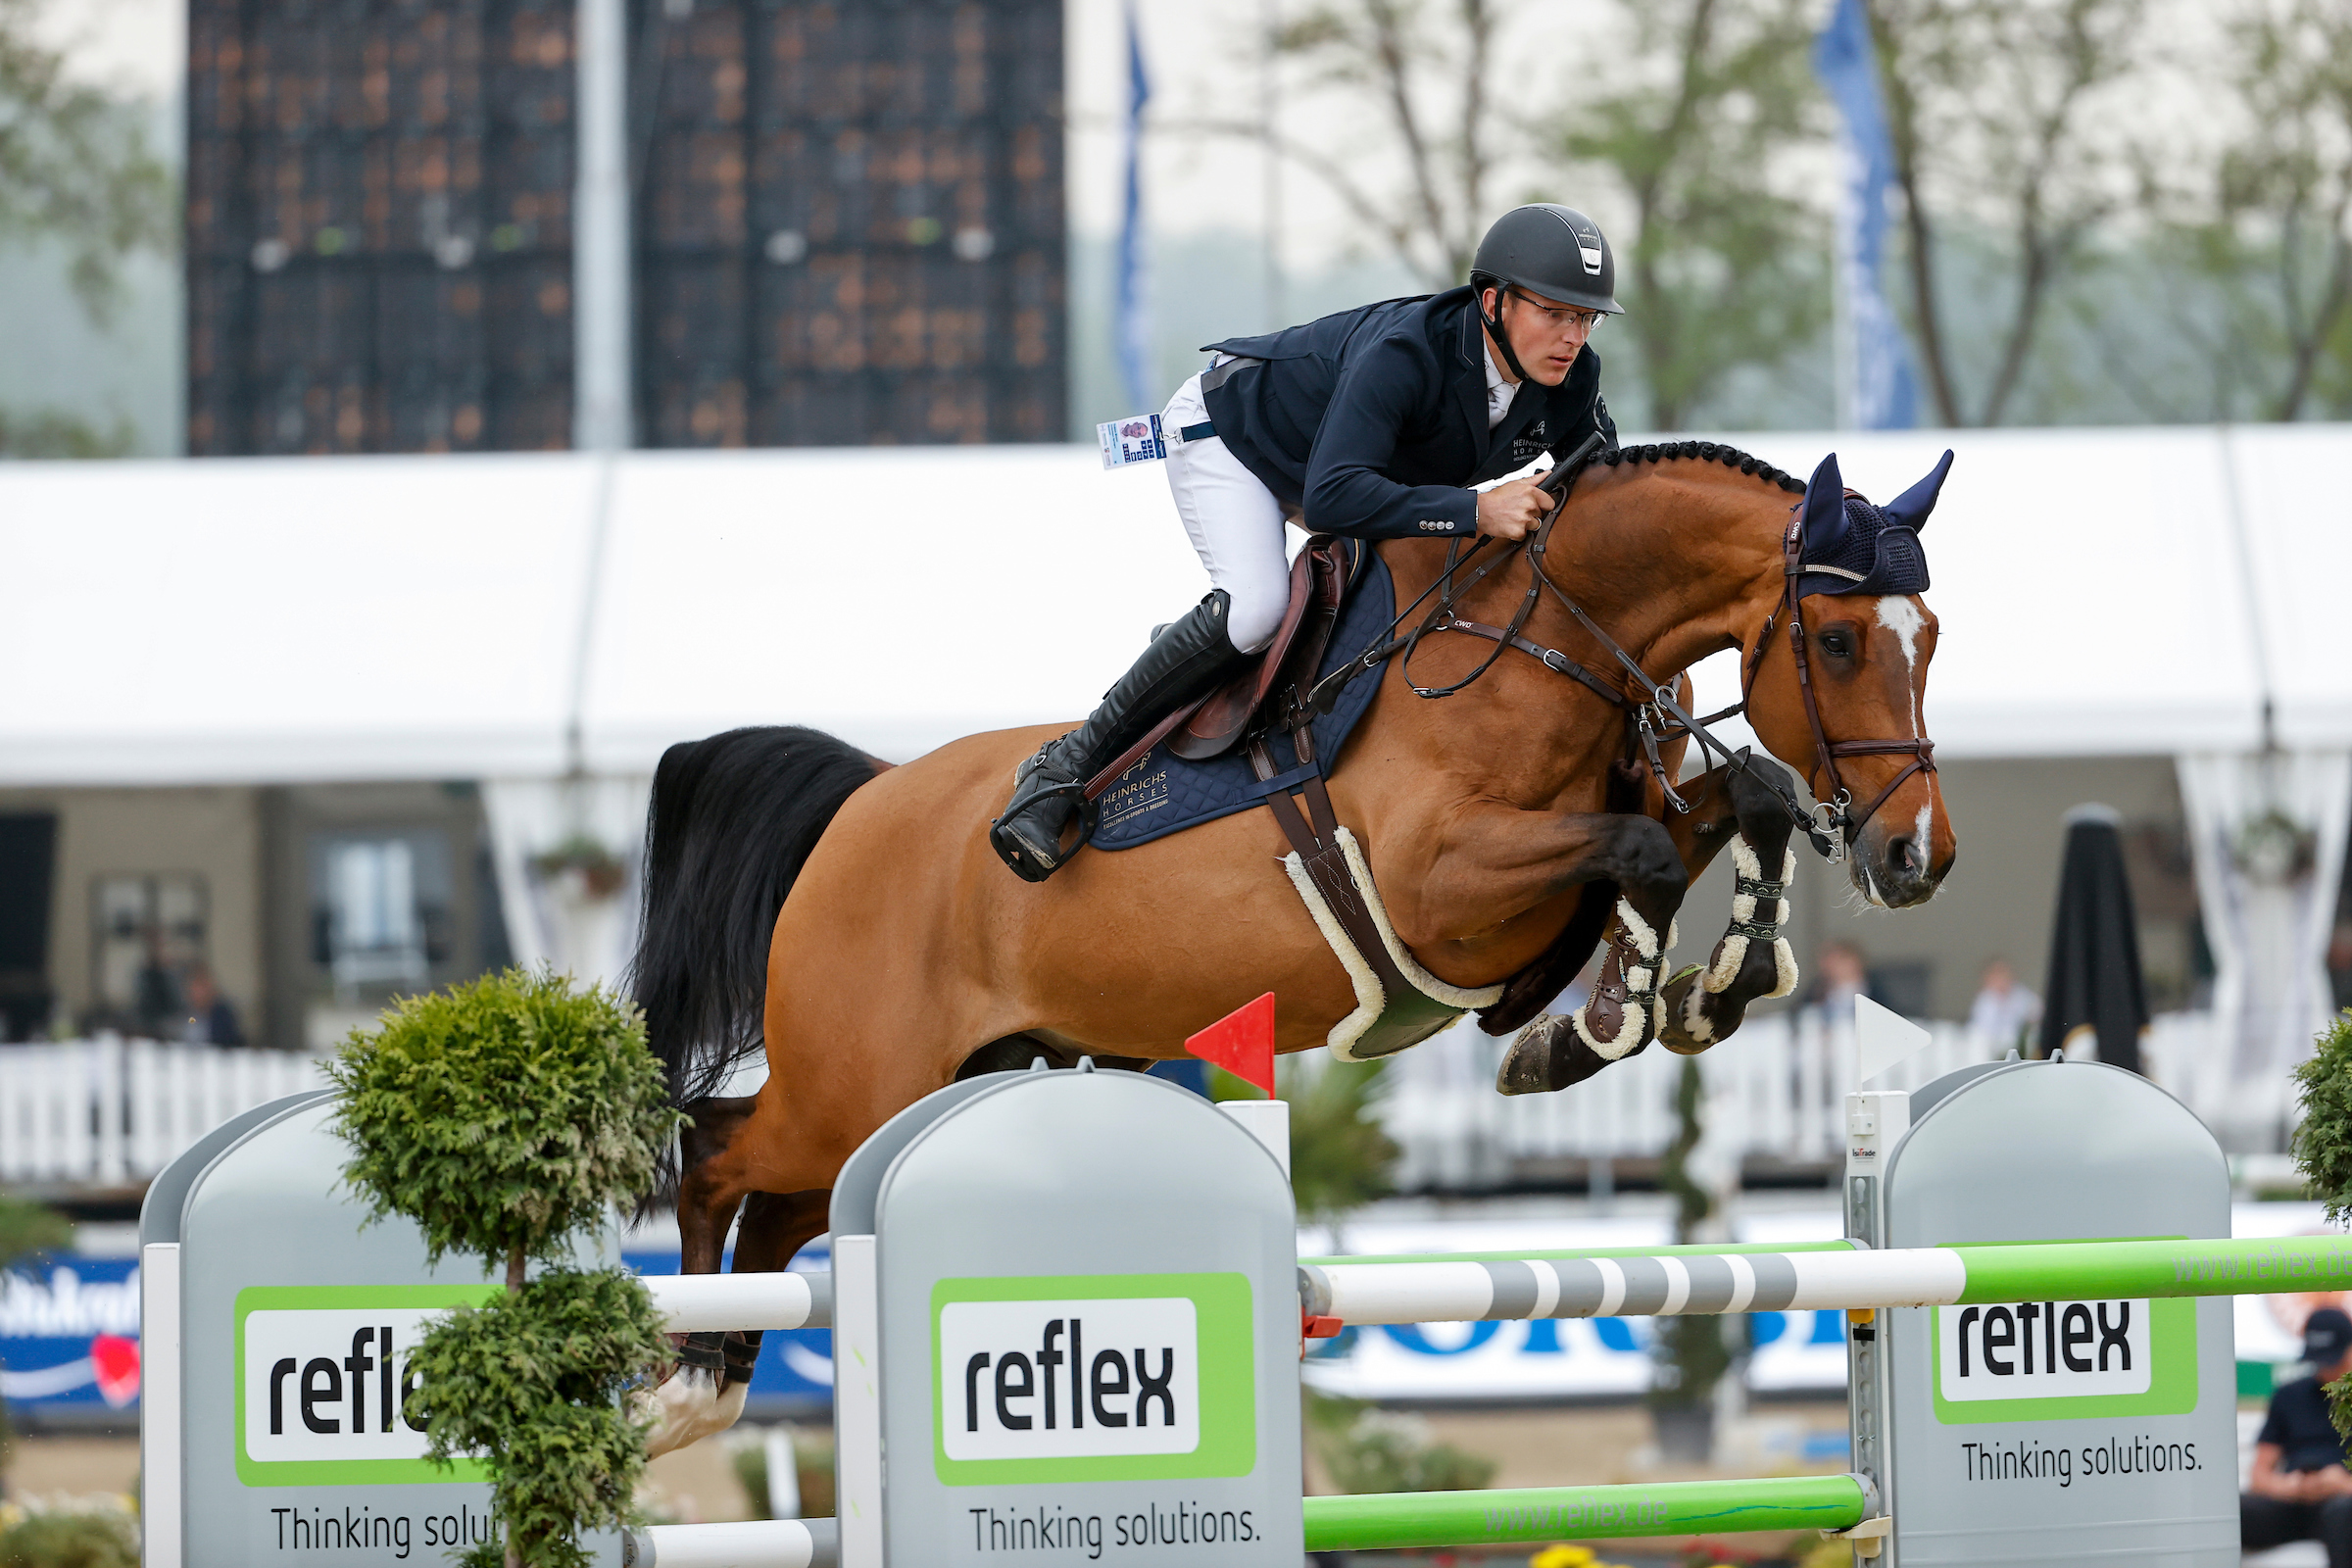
[(1188, 660)]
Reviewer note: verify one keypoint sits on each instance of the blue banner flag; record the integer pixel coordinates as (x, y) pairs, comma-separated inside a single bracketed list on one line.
[(1875, 391), (1131, 325)]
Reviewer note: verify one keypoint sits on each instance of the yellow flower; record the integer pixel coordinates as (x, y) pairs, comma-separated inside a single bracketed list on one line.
[(1562, 1557)]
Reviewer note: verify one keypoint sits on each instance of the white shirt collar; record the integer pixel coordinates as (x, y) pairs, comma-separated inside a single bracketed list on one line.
[(1499, 392)]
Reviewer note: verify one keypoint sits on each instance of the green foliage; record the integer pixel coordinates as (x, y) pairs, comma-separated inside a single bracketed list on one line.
[(74, 165), (1340, 1159), (48, 433), (1367, 1449), (1719, 270), (26, 1229), (532, 1381), (2001, 117), (71, 1538), (2324, 1140), (504, 1117), (1691, 1352), (2264, 230)]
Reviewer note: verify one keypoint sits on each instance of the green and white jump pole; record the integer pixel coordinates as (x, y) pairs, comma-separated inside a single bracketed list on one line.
[(1665, 1282), (1836, 1275)]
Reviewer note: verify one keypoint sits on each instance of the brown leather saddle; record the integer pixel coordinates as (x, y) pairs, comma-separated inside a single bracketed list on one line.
[(1256, 699)]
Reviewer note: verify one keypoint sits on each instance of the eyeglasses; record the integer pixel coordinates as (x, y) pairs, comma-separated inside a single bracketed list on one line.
[(1562, 316)]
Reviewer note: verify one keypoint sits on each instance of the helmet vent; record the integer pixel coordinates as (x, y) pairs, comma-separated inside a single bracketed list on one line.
[(1592, 256)]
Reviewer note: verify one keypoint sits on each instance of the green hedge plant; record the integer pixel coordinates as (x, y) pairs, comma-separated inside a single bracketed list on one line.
[(506, 1117)]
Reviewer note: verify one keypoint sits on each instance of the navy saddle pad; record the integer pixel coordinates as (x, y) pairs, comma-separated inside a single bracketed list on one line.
[(1162, 794)]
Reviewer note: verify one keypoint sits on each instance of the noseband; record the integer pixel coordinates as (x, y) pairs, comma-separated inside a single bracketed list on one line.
[(1658, 715)]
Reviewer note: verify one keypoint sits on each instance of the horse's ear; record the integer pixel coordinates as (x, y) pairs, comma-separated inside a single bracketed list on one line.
[(1910, 508), (1825, 509)]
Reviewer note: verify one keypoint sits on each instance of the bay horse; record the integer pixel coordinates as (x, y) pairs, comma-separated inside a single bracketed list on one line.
[(849, 919)]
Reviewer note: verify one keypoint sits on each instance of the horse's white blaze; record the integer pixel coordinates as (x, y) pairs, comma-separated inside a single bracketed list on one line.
[(1899, 613)]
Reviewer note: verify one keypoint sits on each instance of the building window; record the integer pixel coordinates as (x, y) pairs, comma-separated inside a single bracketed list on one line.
[(149, 933), (380, 911)]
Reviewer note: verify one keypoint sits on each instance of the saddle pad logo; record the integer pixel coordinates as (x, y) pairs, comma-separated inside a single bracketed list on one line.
[(2064, 1360), (324, 1389), (1115, 1377)]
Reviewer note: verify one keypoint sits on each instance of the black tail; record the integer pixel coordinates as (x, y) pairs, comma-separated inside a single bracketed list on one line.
[(732, 821)]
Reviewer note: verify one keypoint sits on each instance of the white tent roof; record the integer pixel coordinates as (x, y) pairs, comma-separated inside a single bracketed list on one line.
[(2102, 591)]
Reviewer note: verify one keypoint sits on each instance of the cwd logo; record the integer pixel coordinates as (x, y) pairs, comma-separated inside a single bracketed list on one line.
[(1092, 1378), (323, 1387)]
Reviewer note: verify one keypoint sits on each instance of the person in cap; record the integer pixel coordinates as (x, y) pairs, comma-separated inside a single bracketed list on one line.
[(1373, 423), (2300, 1489)]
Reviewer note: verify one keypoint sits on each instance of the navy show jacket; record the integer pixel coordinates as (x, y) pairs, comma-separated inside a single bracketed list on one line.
[(1374, 421)]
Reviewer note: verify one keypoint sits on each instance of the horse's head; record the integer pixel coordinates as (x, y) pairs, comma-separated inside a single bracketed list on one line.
[(1840, 700)]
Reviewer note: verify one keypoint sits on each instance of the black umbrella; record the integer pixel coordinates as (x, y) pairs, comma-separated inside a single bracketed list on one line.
[(2094, 979)]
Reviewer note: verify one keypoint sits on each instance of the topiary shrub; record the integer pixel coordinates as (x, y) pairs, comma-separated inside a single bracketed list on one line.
[(2323, 1144), (506, 1117), (2323, 1149)]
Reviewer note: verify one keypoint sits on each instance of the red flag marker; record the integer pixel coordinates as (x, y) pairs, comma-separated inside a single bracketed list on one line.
[(1242, 1042)]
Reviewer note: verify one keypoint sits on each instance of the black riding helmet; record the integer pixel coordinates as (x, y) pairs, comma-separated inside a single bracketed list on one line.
[(1550, 250)]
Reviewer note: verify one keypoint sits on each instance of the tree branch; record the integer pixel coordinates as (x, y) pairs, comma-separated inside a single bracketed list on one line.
[(1389, 49)]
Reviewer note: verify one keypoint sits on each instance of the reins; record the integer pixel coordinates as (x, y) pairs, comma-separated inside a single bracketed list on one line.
[(1658, 714)]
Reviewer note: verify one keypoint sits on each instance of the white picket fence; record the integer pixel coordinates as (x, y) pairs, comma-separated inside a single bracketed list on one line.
[(112, 1112), (1775, 1092)]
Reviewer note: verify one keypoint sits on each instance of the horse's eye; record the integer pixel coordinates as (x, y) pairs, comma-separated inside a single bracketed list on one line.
[(1836, 644)]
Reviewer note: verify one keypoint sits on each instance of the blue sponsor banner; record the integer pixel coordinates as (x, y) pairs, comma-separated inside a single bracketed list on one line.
[(1562, 1358), (70, 1336)]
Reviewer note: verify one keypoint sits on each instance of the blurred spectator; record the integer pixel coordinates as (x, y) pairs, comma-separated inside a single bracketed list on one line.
[(156, 1000), (211, 1021), (1839, 975), (2003, 1011), (2299, 1489)]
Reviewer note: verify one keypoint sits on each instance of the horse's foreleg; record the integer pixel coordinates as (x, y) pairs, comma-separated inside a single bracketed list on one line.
[(1514, 866), (1753, 961)]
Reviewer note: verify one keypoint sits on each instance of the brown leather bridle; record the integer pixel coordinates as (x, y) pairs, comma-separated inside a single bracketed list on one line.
[(1840, 805), (1657, 714)]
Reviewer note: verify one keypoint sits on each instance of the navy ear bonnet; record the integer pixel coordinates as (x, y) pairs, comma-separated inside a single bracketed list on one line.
[(1851, 547)]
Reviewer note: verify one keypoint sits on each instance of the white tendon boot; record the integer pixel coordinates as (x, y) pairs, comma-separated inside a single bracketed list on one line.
[(1692, 1028), (686, 1407), (1624, 1011)]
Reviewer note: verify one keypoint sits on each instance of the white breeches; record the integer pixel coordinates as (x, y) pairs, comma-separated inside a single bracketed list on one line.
[(1234, 523)]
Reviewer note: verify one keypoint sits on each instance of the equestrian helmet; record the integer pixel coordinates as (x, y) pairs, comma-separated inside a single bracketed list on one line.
[(1550, 250)]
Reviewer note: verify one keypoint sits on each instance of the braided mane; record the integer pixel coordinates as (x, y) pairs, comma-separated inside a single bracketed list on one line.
[(1704, 452)]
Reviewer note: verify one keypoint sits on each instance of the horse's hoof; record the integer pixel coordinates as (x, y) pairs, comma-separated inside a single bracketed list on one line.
[(686, 1407), (1548, 1055), (1684, 1026)]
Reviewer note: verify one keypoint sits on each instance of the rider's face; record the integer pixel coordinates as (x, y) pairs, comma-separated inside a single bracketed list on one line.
[(1545, 334)]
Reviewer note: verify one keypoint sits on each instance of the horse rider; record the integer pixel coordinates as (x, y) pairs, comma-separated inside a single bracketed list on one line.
[(1373, 423)]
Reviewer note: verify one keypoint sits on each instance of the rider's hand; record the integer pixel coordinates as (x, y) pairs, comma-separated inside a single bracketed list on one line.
[(1512, 511)]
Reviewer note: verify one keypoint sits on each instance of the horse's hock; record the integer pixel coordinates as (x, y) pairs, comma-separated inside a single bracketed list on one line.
[(1038, 1363)]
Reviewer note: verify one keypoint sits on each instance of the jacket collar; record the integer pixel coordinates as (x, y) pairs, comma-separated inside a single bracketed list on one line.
[(1470, 376)]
